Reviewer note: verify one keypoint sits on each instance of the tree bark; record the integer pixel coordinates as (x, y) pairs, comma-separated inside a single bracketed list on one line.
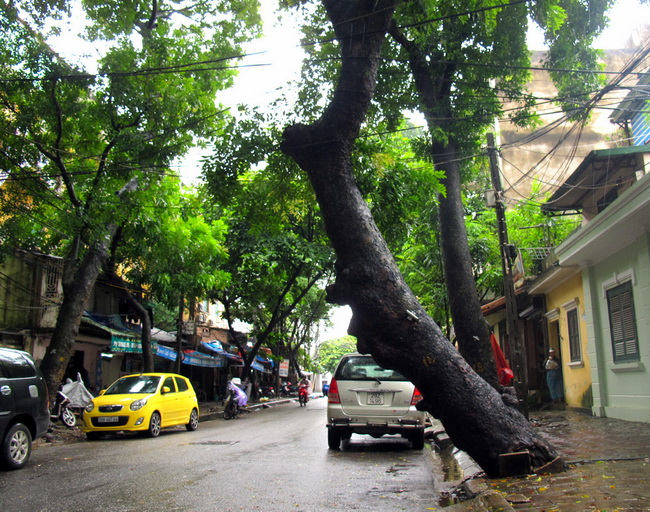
[(387, 319)]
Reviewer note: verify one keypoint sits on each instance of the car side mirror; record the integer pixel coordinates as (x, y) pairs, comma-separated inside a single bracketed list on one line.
[(166, 389), (102, 392)]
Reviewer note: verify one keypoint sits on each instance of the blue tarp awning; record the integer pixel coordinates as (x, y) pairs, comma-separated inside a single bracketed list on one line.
[(265, 360), (194, 358), (166, 352), (191, 358), (214, 346)]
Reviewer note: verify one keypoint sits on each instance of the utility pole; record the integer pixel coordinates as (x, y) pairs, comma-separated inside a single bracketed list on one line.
[(515, 342)]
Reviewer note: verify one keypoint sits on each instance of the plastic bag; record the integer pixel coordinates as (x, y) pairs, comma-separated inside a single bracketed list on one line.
[(77, 393)]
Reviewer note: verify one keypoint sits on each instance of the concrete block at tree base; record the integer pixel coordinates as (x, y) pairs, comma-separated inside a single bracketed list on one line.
[(514, 464), (442, 440)]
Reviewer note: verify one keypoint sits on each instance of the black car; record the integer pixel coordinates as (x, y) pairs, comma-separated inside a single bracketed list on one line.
[(24, 413)]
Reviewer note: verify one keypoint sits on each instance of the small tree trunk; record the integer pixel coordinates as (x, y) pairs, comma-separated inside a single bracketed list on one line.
[(387, 319), (141, 312)]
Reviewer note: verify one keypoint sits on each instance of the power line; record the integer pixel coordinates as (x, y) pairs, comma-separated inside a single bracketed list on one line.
[(183, 67)]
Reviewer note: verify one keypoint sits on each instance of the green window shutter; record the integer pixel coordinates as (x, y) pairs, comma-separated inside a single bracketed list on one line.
[(622, 323)]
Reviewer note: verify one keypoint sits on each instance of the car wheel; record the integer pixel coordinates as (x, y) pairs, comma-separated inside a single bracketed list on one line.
[(417, 439), (68, 418), (333, 438), (194, 420), (93, 436), (16, 447), (154, 425)]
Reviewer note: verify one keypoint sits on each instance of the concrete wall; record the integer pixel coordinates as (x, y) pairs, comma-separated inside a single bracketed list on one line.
[(528, 158), (621, 390)]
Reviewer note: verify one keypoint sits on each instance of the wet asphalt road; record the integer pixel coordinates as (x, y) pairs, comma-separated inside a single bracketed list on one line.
[(275, 460)]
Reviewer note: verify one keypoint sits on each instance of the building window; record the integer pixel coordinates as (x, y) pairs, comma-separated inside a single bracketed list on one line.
[(53, 273), (575, 352), (622, 323)]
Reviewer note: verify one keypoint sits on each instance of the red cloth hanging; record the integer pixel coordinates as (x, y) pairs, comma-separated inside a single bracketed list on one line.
[(504, 373)]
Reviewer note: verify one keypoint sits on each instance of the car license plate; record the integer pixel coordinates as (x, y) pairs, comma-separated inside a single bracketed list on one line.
[(375, 398), (108, 419)]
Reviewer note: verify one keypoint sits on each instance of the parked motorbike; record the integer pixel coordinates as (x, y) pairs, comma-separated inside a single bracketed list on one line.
[(303, 395), (267, 392), (288, 390), (62, 410)]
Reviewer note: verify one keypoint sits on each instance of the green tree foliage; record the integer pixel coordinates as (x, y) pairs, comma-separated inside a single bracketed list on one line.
[(179, 251), (331, 351), (279, 257), (73, 139)]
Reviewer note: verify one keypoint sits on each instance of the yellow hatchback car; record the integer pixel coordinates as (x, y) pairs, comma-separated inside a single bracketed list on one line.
[(146, 402)]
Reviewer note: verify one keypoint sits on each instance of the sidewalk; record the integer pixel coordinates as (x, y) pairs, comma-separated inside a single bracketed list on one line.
[(608, 469)]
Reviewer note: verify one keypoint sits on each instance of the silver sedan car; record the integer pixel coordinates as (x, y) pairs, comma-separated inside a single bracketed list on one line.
[(365, 398)]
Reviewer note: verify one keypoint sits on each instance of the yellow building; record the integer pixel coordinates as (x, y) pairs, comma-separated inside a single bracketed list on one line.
[(567, 332)]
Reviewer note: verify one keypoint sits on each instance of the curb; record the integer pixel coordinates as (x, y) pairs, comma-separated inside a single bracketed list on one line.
[(484, 498), (218, 414), (481, 497)]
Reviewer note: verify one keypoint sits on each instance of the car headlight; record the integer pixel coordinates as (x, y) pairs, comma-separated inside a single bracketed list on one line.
[(138, 404), (90, 407)]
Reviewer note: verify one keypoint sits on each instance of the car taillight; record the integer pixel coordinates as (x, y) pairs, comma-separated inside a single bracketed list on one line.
[(333, 394), (417, 396)]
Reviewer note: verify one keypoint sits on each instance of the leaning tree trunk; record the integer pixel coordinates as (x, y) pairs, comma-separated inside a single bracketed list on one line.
[(387, 319)]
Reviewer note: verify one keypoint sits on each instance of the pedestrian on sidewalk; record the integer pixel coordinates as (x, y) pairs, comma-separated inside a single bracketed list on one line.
[(554, 377)]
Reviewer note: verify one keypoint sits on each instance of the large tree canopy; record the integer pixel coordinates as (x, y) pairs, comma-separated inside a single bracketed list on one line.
[(279, 256), (387, 319), (72, 140), (465, 60)]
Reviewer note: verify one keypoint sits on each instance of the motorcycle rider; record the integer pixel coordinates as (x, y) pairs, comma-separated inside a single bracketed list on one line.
[(303, 386), (240, 396)]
